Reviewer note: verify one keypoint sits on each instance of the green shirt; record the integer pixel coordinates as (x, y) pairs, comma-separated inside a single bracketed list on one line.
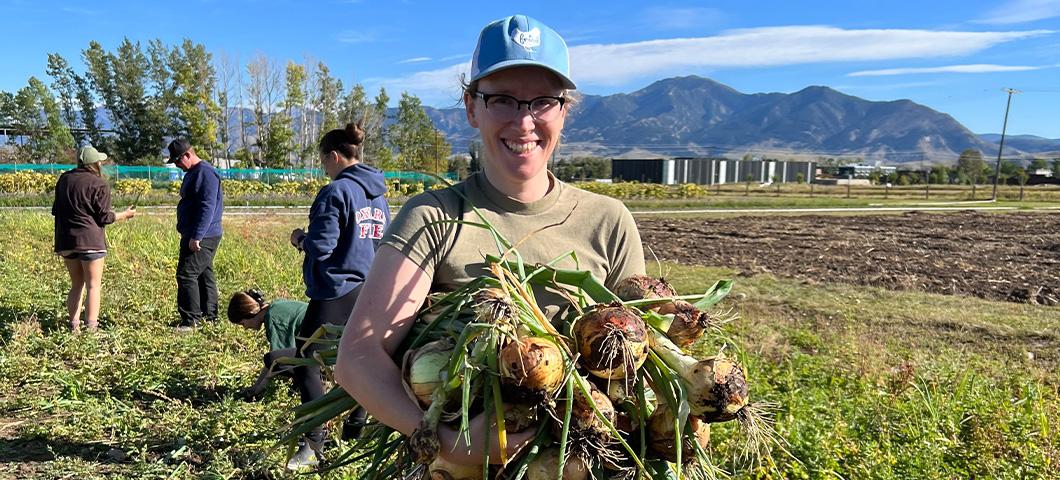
[(598, 228), (282, 321)]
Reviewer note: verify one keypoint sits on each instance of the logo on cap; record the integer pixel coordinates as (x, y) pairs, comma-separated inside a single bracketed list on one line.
[(528, 40)]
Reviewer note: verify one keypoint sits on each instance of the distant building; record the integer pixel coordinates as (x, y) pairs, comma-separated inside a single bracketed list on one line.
[(709, 171), (862, 171)]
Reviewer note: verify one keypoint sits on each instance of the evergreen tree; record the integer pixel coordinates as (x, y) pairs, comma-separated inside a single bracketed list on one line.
[(194, 107), (970, 165), (137, 110), (354, 106), (86, 103), (326, 103), (375, 150), (294, 109), (37, 118), (421, 147), (63, 84)]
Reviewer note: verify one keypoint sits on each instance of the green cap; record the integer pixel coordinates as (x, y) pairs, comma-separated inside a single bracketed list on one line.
[(89, 155)]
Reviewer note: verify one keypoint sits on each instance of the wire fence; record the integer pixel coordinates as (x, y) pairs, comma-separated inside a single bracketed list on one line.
[(166, 174)]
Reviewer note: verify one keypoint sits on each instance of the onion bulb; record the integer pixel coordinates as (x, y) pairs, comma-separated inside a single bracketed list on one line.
[(423, 369), (661, 435), (583, 418), (441, 469), (545, 466), (531, 366), (612, 341), (689, 322), (717, 387), (493, 305), (639, 287)]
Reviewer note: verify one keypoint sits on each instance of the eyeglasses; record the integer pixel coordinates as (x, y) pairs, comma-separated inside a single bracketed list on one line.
[(506, 107)]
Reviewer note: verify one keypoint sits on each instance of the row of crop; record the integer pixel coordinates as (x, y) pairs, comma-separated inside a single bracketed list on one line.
[(634, 190), (26, 182)]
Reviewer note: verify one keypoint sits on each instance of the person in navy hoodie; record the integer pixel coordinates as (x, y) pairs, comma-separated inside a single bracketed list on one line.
[(199, 224), (346, 221)]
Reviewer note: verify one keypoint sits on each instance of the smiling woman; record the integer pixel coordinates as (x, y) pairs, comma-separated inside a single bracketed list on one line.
[(517, 96)]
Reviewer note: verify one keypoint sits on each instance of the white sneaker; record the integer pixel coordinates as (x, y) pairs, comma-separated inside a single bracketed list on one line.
[(303, 458)]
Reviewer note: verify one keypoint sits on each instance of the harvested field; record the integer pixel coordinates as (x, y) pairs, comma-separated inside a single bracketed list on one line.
[(1012, 256)]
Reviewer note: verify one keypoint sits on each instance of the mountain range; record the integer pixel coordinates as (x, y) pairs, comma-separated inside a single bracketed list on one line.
[(695, 116)]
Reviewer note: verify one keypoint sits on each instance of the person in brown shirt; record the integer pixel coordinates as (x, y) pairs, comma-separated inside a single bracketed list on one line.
[(81, 210)]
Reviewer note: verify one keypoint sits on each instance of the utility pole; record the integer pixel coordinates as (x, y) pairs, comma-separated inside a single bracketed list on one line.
[(1001, 145)]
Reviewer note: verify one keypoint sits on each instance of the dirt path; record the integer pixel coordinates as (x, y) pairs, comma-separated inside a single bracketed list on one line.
[(1013, 256)]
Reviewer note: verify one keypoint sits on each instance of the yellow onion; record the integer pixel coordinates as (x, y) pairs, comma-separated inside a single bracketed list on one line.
[(717, 387), (689, 322), (519, 416), (583, 420), (493, 305), (545, 466), (423, 367), (637, 287), (661, 435), (441, 469), (531, 366), (612, 341)]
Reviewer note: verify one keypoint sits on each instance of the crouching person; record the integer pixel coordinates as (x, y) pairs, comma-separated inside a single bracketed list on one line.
[(281, 320)]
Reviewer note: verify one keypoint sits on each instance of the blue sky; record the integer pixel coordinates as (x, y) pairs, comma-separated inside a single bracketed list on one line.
[(953, 56)]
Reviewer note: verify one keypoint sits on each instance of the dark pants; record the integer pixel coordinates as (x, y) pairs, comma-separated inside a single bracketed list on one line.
[(307, 378), (270, 361), (196, 287)]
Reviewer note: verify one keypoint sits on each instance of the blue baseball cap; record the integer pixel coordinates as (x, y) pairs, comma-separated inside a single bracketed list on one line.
[(518, 41)]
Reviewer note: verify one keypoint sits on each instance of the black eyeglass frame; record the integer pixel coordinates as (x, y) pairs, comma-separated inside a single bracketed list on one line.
[(519, 103)]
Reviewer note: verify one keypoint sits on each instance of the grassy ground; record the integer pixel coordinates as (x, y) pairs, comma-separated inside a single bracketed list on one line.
[(869, 383)]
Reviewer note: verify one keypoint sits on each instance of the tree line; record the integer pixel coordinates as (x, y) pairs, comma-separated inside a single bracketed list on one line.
[(261, 113)]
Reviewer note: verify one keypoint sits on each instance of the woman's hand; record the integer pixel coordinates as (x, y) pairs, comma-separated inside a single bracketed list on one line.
[(126, 214), (456, 450), (297, 235)]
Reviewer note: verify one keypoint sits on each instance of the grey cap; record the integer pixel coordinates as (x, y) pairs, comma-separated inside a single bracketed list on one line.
[(89, 155)]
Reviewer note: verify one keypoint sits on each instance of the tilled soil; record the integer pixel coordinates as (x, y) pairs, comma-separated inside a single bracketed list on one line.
[(1012, 256)]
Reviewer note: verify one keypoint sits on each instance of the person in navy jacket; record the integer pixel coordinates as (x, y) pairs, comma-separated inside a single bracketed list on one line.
[(199, 224), (346, 221)]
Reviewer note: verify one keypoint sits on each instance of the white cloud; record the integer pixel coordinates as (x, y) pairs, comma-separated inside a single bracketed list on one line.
[(415, 60), (1020, 11), (668, 18), (884, 86), (355, 36), (616, 64), (432, 86), (973, 68)]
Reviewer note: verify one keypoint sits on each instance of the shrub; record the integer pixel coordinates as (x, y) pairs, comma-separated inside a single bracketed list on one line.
[(132, 186), (27, 182)]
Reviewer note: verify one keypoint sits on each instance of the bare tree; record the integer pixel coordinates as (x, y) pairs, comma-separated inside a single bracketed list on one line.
[(227, 84), (262, 92)]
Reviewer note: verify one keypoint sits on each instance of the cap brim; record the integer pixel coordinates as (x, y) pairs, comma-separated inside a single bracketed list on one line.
[(522, 62)]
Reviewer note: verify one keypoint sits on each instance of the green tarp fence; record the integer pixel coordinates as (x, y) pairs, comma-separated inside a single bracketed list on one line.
[(164, 174)]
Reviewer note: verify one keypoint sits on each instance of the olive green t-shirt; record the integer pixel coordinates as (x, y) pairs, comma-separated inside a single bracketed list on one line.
[(282, 321), (599, 229)]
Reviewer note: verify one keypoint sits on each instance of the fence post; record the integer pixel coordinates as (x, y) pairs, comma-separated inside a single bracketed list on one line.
[(850, 179)]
